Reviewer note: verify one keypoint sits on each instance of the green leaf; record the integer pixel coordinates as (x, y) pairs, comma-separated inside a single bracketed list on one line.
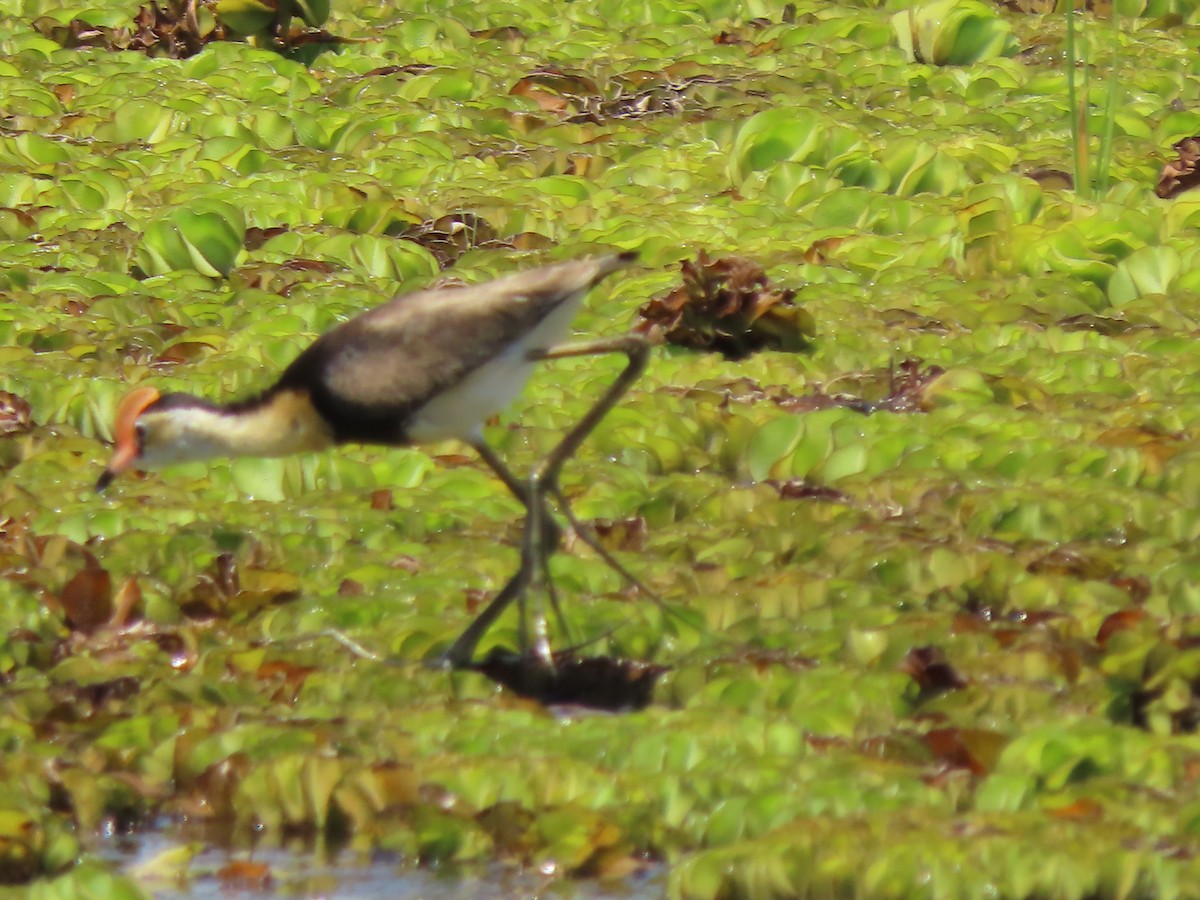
[(771, 444), (1149, 270), (247, 17)]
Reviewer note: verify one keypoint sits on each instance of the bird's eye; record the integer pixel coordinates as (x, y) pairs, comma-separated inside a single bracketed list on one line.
[(139, 435)]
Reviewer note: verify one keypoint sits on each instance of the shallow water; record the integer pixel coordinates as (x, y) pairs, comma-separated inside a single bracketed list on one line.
[(345, 875)]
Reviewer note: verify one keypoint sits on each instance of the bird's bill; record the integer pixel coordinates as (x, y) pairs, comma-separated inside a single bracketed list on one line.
[(128, 450)]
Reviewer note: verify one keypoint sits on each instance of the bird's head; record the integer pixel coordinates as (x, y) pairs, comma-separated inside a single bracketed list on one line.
[(150, 431)]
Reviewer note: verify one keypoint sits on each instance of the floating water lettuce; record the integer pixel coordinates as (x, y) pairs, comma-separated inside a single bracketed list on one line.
[(952, 33), (206, 236), (929, 587)]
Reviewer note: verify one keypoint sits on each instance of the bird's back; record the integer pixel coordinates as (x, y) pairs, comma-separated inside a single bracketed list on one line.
[(373, 377)]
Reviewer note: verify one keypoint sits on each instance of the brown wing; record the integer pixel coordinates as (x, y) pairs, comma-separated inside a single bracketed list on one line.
[(368, 376)]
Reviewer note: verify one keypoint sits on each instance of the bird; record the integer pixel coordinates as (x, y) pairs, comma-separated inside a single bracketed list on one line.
[(426, 366)]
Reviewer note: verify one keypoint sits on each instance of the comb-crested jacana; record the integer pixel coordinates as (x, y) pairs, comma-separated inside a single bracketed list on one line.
[(425, 366)]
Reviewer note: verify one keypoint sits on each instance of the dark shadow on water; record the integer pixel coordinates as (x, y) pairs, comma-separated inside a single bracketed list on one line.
[(594, 682)]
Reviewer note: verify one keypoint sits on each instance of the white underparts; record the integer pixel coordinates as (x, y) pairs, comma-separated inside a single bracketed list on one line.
[(460, 411)]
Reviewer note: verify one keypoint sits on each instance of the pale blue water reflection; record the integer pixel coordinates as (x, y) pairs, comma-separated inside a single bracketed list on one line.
[(165, 867)]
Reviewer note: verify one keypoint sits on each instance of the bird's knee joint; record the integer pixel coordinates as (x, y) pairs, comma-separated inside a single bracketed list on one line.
[(637, 349)]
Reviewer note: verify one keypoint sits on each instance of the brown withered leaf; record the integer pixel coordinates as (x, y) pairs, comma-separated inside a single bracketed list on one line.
[(725, 38), (1121, 620), (348, 587), (180, 646), (182, 352), (729, 306), (1052, 179), (16, 416), (256, 236), (1154, 446), (803, 489), (1180, 174), (289, 677), (1136, 586), (245, 875), (974, 749), (127, 598), (819, 251), (927, 666), (282, 670), (475, 599), (596, 682), (1082, 810), (87, 600), (24, 217), (454, 460), (622, 534), (554, 90), (405, 563)]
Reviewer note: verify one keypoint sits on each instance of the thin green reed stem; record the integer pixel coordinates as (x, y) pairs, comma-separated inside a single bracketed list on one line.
[(1077, 152), (1104, 162)]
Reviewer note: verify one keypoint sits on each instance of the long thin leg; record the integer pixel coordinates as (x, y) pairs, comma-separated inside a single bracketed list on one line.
[(543, 481), (462, 651), (517, 487), (551, 536), (637, 349), (496, 464), (588, 536)]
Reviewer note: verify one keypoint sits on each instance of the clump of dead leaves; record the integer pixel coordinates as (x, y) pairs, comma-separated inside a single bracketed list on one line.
[(728, 306), (174, 31), (16, 416), (1180, 174)]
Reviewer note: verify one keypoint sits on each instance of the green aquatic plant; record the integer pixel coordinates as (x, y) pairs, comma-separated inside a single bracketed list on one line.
[(1091, 177), (929, 592), (952, 33)]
